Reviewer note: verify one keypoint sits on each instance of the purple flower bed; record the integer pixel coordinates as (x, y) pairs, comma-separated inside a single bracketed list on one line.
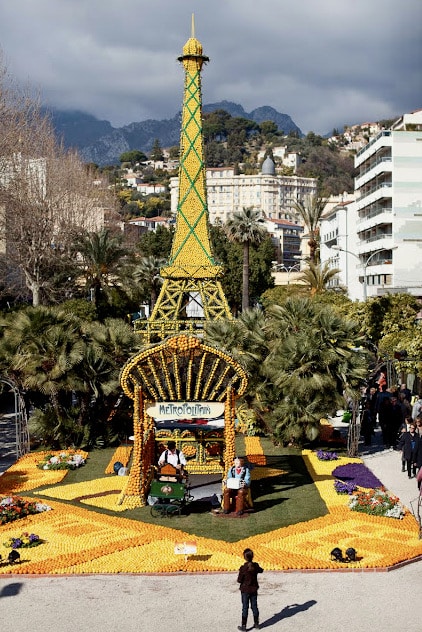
[(358, 474), (342, 487), (326, 456)]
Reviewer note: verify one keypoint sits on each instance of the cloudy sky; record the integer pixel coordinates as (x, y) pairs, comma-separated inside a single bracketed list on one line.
[(326, 63)]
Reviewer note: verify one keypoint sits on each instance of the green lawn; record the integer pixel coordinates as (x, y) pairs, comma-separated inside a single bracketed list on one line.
[(279, 501)]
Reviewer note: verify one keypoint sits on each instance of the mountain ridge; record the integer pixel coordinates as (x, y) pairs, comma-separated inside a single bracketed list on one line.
[(99, 142)]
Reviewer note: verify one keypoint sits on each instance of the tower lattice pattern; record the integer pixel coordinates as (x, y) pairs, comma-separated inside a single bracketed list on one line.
[(191, 292)]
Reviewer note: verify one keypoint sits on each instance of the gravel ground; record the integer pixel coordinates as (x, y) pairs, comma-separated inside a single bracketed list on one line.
[(315, 602)]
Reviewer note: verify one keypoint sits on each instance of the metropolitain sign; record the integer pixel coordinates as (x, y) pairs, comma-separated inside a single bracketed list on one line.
[(185, 410)]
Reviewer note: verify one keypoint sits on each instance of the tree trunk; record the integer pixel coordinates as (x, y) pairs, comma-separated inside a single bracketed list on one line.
[(354, 431), (245, 277), (33, 286), (312, 249), (35, 295)]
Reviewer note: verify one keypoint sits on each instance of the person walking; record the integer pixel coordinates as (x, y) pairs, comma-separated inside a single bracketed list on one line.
[(367, 425), (409, 443), (417, 406), (405, 427), (248, 580)]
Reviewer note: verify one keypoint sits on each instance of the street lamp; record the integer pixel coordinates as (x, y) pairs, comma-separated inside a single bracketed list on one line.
[(281, 267), (364, 263)]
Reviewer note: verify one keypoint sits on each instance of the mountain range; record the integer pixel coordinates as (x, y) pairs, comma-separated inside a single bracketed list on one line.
[(99, 142)]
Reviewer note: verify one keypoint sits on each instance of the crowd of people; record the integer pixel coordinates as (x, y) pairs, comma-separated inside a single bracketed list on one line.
[(399, 415)]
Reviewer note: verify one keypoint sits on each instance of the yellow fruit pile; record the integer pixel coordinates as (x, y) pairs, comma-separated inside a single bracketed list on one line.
[(25, 475), (189, 450), (254, 451), (77, 540), (122, 455), (183, 343)]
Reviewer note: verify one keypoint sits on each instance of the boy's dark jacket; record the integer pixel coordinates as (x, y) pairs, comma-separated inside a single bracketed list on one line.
[(247, 577)]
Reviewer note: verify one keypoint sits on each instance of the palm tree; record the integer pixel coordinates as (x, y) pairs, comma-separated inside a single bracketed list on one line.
[(310, 365), (310, 212), (102, 254), (317, 277), (245, 340), (147, 273), (43, 348), (110, 344), (300, 359), (245, 228)]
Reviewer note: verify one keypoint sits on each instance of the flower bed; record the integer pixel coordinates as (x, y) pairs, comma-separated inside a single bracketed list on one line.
[(24, 541), (14, 507), (377, 502), (358, 474), (342, 487), (65, 460), (326, 455)]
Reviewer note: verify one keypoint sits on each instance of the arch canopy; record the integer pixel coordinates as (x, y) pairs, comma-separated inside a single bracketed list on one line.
[(183, 368)]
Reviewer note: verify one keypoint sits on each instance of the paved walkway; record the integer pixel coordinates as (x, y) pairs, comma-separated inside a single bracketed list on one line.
[(295, 601), (290, 602), (386, 465)]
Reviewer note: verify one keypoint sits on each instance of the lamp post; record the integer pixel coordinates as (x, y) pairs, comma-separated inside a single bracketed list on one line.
[(364, 263), (281, 267)]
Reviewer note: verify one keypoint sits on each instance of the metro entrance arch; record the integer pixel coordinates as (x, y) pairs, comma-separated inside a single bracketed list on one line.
[(185, 382)]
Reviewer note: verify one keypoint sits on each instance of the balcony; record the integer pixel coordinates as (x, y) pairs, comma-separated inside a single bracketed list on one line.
[(375, 168), (372, 147), (378, 215), (381, 241), (374, 194)]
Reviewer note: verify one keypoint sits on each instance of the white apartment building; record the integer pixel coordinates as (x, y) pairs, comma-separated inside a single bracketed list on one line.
[(338, 230), (273, 194), (136, 181), (379, 238)]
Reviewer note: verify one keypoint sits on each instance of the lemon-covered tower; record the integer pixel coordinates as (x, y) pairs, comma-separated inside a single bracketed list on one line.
[(191, 292)]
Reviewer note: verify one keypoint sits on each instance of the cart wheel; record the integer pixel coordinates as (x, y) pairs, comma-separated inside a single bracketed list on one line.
[(172, 509), (157, 510)]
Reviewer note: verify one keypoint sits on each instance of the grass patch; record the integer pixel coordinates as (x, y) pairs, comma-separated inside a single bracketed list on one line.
[(279, 501)]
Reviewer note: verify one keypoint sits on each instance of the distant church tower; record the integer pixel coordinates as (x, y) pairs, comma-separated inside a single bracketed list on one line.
[(191, 292)]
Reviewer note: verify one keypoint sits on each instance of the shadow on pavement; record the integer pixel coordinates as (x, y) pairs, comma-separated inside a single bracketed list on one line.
[(288, 611), (11, 590)]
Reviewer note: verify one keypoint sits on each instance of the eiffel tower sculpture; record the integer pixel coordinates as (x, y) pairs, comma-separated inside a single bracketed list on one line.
[(191, 292)]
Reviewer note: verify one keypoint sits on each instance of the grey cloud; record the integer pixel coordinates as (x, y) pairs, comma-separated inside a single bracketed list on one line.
[(324, 63)]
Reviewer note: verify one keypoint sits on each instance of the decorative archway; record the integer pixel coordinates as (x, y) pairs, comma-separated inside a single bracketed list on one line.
[(181, 376), (21, 420)]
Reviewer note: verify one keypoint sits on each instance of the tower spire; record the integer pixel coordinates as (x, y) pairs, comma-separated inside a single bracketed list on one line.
[(190, 276)]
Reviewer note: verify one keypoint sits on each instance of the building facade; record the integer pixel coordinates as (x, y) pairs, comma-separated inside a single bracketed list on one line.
[(286, 237), (379, 238), (273, 194)]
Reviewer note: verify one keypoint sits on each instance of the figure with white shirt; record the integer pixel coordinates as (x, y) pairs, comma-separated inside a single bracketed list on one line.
[(236, 490)]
